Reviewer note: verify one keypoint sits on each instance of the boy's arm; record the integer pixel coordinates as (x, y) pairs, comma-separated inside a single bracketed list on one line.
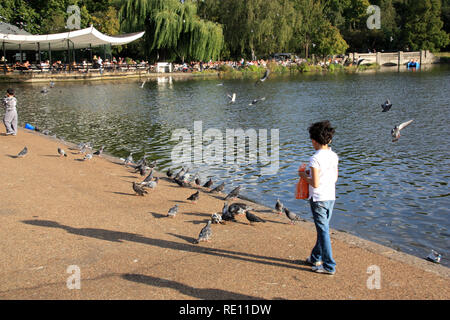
[(314, 180)]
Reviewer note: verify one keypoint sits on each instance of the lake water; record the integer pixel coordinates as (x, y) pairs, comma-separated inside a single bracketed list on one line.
[(395, 194)]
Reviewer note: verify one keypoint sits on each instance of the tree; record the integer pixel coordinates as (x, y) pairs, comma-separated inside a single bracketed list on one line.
[(423, 26), (173, 29)]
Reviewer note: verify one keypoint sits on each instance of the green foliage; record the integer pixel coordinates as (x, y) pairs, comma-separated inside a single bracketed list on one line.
[(173, 28)]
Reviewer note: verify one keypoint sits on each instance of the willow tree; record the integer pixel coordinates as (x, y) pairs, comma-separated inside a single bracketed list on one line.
[(173, 29)]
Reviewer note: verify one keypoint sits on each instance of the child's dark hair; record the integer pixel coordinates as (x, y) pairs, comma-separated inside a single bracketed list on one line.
[(10, 91), (322, 132)]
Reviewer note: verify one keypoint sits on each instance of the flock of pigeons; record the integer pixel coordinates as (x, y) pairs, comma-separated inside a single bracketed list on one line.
[(185, 180)]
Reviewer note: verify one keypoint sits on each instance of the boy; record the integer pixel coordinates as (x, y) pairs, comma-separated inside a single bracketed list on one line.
[(322, 180), (10, 118)]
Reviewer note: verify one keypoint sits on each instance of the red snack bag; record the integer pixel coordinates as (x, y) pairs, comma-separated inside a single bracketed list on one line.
[(302, 189)]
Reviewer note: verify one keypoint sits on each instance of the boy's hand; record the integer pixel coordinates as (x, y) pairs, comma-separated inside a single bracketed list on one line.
[(302, 174)]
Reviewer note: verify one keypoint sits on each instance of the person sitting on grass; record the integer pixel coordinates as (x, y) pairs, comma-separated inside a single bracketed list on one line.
[(322, 177)]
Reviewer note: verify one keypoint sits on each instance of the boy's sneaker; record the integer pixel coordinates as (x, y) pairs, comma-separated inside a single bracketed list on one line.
[(321, 269), (315, 264)]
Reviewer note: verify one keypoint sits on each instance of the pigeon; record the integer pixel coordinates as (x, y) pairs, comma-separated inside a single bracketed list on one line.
[(232, 97), (151, 184), (220, 84), (22, 153), (233, 194), (44, 90), (386, 106), (205, 233), (216, 218), (396, 131), (180, 173), (138, 189), (252, 218), (198, 181), (292, 216), (208, 184), (169, 173), (143, 83), (52, 84), (194, 197), (46, 132), (279, 206), (99, 151), (434, 257), (143, 170), (62, 152), (255, 101), (182, 183), (129, 159), (264, 78), (173, 211), (87, 157), (226, 214), (238, 208), (219, 188), (149, 177), (152, 164), (185, 177)]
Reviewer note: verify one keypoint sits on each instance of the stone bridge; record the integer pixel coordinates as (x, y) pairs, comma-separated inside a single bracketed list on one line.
[(395, 58)]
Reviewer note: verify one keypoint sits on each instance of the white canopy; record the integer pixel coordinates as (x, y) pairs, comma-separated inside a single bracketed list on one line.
[(76, 39)]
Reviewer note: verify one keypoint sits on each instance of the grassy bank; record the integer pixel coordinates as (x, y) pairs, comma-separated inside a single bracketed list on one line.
[(255, 72)]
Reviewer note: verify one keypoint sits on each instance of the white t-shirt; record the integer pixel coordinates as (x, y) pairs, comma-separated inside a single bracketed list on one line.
[(327, 162)]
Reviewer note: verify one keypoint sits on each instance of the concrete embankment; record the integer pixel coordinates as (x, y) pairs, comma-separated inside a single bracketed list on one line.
[(59, 212)]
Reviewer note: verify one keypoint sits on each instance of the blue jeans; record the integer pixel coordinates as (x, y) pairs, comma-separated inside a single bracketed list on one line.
[(322, 211)]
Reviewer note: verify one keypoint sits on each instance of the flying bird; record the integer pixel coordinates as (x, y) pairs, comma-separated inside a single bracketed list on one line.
[(386, 106), (219, 188), (205, 233), (264, 78), (62, 152), (232, 98), (233, 194), (279, 206), (396, 131), (139, 190), (253, 218), (292, 216), (173, 211), (194, 197), (22, 153)]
